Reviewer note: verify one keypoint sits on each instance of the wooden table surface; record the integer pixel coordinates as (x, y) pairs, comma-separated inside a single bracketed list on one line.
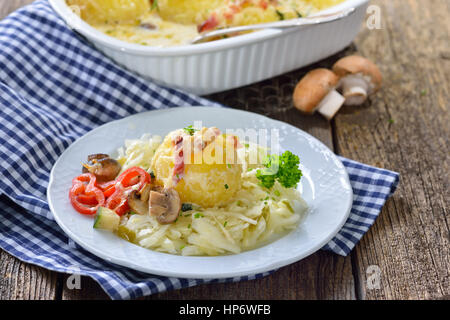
[(404, 127)]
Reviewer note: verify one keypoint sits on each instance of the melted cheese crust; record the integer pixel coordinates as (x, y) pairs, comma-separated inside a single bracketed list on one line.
[(176, 22)]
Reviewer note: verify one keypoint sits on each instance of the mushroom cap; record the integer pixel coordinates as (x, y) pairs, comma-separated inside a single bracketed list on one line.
[(164, 204), (104, 167), (312, 88), (352, 65)]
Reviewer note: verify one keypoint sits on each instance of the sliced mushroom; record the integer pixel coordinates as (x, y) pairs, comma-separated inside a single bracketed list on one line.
[(164, 204), (138, 200), (145, 192), (104, 167), (316, 91), (359, 78)]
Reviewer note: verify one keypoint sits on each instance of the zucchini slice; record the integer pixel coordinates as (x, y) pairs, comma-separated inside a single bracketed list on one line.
[(106, 219)]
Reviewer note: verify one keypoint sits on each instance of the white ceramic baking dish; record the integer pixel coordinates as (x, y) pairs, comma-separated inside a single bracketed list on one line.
[(229, 63)]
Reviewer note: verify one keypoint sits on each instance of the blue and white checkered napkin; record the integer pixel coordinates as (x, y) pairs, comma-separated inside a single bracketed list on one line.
[(53, 89)]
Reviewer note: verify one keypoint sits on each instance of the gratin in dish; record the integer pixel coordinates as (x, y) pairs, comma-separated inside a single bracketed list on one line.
[(229, 63), (168, 23), (220, 196)]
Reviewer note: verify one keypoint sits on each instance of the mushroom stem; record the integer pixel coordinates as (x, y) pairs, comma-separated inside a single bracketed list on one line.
[(329, 105), (354, 89)]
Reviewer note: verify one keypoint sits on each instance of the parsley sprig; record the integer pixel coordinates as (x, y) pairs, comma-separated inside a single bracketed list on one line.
[(190, 130), (282, 168)]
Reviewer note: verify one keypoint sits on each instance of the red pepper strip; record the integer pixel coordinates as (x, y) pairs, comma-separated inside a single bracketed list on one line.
[(84, 186), (134, 176), (89, 180), (118, 201), (86, 195), (108, 188), (90, 200)]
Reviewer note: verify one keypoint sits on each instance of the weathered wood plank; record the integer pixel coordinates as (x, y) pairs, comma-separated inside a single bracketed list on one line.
[(321, 276), (19, 281), (405, 127), (90, 290), (9, 6)]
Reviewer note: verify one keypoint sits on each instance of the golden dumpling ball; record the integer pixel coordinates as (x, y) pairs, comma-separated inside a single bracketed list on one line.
[(110, 11), (209, 179)]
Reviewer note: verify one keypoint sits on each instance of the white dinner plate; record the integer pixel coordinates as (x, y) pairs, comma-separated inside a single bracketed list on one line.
[(325, 187)]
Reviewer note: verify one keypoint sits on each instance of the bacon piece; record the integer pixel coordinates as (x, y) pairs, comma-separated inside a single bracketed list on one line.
[(209, 24), (205, 137), (201, 140), (209, 136), (235, 142), (178, 169)]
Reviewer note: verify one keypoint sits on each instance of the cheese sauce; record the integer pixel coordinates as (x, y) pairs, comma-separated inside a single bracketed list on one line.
[(164, 23)]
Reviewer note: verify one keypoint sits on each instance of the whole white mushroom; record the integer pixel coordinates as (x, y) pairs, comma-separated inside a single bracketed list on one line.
[(316, 91), (359, 78)]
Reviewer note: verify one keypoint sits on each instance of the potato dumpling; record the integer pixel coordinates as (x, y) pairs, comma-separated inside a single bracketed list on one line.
[(111, 11), (187, 11), (209, 179)]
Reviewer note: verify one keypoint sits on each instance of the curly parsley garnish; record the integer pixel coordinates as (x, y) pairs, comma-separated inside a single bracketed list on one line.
[(190, 130), (283, 168)]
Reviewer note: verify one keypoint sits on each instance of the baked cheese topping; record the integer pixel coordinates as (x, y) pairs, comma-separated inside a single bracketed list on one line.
[(166, 23)]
